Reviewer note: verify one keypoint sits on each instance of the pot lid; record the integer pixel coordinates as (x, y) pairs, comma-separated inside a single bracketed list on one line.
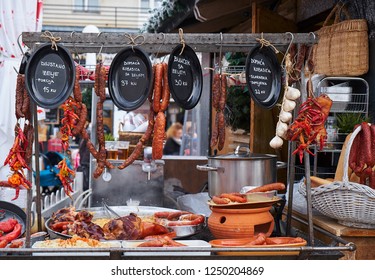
[(243, 153)]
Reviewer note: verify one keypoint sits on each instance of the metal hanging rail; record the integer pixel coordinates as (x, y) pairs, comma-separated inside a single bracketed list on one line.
[(163, 43)]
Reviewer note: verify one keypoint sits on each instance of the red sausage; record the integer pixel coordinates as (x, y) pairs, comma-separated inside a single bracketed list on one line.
[(8, 225), (269, 187)]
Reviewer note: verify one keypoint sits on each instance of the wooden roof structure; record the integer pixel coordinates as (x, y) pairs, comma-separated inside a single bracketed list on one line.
[(236, 16)]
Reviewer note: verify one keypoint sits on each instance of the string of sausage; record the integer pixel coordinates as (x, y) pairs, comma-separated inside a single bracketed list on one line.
[(79, 128), (362, 154), (150, 127), (161, 102), (22, 110), (219, 95)]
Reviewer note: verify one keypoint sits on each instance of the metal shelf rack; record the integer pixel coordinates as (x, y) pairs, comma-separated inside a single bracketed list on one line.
[(355, 100)]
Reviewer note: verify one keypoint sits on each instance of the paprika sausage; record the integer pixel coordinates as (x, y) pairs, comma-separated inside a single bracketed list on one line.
[(134, 155), (268, 187), (259, 240), (220, 200), (216, 91), (366, 143), (20, 87), (81, 121), (166, 93), (159, 132), (77, 89), (158, 86), (215, 132), (221, 130), (223, 92)]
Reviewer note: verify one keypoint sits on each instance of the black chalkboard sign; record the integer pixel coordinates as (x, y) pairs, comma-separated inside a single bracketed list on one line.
[(49, 76), (130, 78), (185, 77), (52, 116), (263, 76)]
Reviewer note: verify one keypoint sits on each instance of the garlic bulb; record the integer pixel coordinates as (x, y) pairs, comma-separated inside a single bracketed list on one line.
[(292, 93), (285, 117), (276, 142), (281, 129), (288, 105)]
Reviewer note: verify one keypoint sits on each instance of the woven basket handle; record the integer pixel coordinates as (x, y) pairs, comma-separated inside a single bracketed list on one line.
[(337, 12), (345, 177)]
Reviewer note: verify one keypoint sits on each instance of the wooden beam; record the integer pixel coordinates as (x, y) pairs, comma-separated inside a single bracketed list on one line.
[(269, 21), (244, 27), (152, 43), (307, 8), (213, 9), (219, 24)]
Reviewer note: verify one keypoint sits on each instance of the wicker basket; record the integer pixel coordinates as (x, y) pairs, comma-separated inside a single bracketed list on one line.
[(350, 203), (342, 49)]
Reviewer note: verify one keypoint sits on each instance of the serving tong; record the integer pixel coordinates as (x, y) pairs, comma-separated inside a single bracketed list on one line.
[(109, 210), (2, 214)]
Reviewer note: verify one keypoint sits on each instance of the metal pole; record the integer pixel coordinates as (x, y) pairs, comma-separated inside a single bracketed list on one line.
[(28, 213), (310, 229), (290, 181), (37, 168)]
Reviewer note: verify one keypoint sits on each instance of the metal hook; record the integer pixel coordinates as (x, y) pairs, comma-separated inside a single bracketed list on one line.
[(15, 70), (221, 52), (313, 34), (162, 43), (74, 44), (101, 47), (19, 45), (290, 44)]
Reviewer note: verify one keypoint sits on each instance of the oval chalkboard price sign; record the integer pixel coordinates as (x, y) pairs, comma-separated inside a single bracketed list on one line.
[(263, 76), (185, 77), (49, 76), (130, 78)]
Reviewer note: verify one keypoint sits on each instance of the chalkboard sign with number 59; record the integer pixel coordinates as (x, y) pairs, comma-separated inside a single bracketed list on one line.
[(185, 77), (263, 76), (49, 76)]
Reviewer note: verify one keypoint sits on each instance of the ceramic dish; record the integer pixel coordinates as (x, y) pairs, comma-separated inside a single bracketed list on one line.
[(243, 243)]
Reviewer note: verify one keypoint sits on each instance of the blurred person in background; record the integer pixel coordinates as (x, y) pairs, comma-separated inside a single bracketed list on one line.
[(174, 139)]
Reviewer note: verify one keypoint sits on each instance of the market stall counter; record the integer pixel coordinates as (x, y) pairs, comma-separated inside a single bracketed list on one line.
[(160, 233)]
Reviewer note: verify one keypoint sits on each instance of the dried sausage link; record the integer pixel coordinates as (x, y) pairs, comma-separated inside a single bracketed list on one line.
[(19, 95), (159, 132)]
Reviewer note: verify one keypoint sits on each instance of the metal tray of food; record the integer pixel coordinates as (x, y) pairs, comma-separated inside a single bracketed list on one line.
[(99, 213), (192, 244)]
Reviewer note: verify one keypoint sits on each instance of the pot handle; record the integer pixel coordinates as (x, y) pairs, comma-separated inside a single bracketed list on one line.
[(242, 147), (208, 167), (281, 164)]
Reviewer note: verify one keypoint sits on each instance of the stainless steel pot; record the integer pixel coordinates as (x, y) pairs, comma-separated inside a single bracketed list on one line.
[(229, 173)]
